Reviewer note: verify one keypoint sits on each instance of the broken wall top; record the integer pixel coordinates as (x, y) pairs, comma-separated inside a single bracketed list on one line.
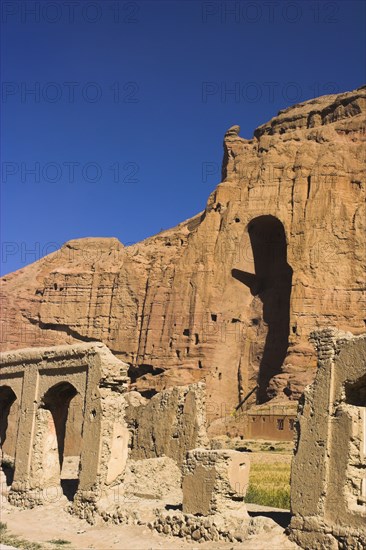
[(113, 372)]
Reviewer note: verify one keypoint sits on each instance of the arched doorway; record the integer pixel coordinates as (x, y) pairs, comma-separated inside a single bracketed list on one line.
[(8, 431), (59, 431), (355, 394), (271, 282)]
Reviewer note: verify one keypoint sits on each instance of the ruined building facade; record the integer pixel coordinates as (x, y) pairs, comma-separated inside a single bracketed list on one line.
[(73, 403), (69, 424)]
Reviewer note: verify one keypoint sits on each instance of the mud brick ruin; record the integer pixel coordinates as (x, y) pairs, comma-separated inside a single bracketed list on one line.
[(58, 402), (328, 485), (211, 478), (214, 484), (73, 401)]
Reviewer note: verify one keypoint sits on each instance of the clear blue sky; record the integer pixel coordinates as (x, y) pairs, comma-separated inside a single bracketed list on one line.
[(131, 99)]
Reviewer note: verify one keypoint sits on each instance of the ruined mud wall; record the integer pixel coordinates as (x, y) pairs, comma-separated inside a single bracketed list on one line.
[(232, 294), (330, 512), (44, 382), (169, 424)]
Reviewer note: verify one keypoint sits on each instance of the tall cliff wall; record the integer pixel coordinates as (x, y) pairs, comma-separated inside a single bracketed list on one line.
[(231, 295)]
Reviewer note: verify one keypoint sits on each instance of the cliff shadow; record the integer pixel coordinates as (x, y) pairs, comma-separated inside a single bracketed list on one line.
[(272, 283)]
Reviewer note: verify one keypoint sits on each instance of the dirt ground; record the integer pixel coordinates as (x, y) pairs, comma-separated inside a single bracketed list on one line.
[(51, 522)]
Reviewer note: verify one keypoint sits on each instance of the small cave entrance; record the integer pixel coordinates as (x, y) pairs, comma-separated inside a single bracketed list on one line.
[(61, 424), (8, 431), (271, 282), (137, 371)]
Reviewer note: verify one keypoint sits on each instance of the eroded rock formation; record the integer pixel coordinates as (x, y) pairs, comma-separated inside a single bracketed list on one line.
[(231, 295)]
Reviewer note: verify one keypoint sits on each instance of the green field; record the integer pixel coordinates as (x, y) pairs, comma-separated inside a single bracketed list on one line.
[(269, 484)]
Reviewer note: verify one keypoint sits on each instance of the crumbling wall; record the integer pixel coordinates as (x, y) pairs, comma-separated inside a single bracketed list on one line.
[(212, 478), (153, 479), (45, 464), (170, 423), (328, 496), (9, 416), (214, 487), (49, 379)]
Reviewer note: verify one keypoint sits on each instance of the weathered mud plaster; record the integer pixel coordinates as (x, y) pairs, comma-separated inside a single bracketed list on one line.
[(212, 479), (169, 424), (162, 431), (214, 486), (328, 478), (45, 425)]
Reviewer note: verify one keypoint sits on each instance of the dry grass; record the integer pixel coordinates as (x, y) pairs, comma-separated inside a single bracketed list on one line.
[(269, 485), (18, 542), (13, 540)]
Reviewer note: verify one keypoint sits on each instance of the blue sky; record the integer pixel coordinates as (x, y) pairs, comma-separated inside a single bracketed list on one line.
[(113, 113)]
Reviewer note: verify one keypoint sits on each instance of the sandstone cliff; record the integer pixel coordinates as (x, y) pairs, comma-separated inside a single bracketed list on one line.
[(231, 295)]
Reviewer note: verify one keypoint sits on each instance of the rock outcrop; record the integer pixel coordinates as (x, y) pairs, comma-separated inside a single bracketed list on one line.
[(231, 295)]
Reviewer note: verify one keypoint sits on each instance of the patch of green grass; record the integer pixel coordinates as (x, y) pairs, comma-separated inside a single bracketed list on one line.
[(13, 540), (59, 541), (269, 485)]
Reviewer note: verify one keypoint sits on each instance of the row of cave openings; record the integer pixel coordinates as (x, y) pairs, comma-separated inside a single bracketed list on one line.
[(63, 440)]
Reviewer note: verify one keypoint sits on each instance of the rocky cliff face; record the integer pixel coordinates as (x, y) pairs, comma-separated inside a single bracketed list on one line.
[(231, 295)]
